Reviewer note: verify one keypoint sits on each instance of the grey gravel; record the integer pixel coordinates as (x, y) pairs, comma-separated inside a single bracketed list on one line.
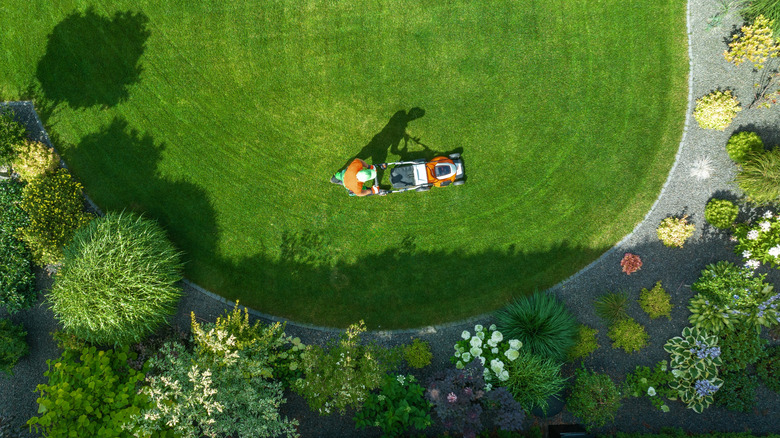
[(675, 268)]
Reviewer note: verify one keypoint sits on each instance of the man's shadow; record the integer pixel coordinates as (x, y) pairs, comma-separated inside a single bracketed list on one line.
[(389, 138)]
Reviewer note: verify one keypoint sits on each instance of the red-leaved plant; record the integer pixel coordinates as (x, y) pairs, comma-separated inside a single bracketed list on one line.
[(631, 263)]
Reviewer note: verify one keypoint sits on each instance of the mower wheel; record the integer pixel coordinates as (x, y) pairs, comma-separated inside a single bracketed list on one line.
[(459, 182), (422, 189), (454, 156)]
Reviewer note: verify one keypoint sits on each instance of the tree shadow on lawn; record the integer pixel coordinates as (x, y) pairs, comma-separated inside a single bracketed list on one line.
[(93, 60)]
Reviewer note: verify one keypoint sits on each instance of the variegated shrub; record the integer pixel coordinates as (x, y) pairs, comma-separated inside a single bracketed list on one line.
[(695, 358)]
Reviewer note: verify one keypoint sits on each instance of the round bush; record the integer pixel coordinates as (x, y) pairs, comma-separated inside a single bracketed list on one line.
[(13, 345), (542, 323), (759, 177), (35, 159), (721, 213), (118, 280), (594, 398), (716, 110), (628, 335), (744, 144)]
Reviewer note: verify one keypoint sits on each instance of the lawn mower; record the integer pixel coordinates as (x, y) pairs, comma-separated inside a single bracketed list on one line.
[(420, 175)]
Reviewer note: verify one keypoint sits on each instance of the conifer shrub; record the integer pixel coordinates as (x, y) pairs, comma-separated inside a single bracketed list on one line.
[(743, 145), (594, 399), (721, 213)]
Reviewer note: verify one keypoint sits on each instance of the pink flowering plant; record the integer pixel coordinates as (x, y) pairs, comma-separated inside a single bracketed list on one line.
[(759, 242), (487, 345), (631, 263)]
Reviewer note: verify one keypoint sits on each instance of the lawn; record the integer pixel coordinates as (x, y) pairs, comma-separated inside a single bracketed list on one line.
[(225, 120)]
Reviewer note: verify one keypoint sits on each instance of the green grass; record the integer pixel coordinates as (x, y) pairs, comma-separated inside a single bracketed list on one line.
[(224, 120)]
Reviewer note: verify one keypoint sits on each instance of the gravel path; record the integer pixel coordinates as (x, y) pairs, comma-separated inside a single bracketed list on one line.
[(676, 269)]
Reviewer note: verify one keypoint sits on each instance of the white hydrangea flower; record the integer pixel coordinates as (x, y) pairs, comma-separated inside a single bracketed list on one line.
[(775, 251), (494, 350), (503, 376), (476, 342), (488, 387), (492, 327), (768, 214), (746, 254), (459, 365), (481, 335), (496, 366), (515, 344), (765, 226), (497, 336), (486, 373), (478, 328), (651, 391), (476, 351), (752, 264), (511, 354), (457, 353), (466, 357), (492, 343), (482, 359), (465, 335), (752, 235)]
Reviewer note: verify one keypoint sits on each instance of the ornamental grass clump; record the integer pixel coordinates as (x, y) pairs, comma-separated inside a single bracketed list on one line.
[(118, 281), (489, 347), (759, 177), (534, 380), (630, 263), (55, 207), (673, 231), (716, 110), (17, 281), (611, 306), (759, 242), (542, 323), (34, 159), (721, 213), (695, 359), (656, 302), (743, 145)]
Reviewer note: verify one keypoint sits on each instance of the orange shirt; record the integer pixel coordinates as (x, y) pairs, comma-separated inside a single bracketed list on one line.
[(350, 177)]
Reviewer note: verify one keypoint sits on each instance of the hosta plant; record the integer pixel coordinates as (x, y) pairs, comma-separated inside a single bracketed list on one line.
[(628, 335), (695, 359), (656, 302), (399, 406), (490, 349), (630, 263), (35, 159), (742, 145), (759, 242), (721, 213), (673, 231), (716, 110), (651, 383)]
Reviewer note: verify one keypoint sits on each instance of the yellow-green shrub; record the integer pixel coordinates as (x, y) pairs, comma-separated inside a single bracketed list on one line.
[(55, 206), (716, 110), (673, 232), (34, 159)]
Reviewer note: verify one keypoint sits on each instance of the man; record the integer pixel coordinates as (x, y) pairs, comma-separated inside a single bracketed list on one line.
[(354, 177)]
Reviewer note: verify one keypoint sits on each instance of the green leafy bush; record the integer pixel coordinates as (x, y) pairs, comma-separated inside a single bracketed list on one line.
[(652, 383), (759, 242), (220, 388), (533, 380), (656, 302), (695, 359), (673, 231), (418, 354), (399, 406), (89, 393), (118, 280), (343, 375), (612, 306), (743, 145), (12, 134), (739, 348), (721, 213), (759, 177), (594, 398), (13, 344), (35, 159), (489, 347), (716, 110), (542, 323), (56, 210), (628, 335), (17, 282), (768, 368), (738, 392), (586, 343)]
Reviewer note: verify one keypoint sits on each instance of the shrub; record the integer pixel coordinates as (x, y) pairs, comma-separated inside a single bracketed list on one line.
[(631, 263), (695, 358), (418, 354), (716, 110), (738, 392), (754, 43), (89, 393), (760, 242), (460, 396), (594, 398), (612, 306), (17, 290), (12, 134), (345, 374), (35, 159), (743, 145), (13, 344), (651, 383), (739, 348), (673, 232), (55, 207), (533, 380), (721, 213), (759, 177), (768, 368), (219, 389), (628, 335), (542, 323), (490, 348), (400, 405), (118, 280), (586, 343), (656, 302)]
